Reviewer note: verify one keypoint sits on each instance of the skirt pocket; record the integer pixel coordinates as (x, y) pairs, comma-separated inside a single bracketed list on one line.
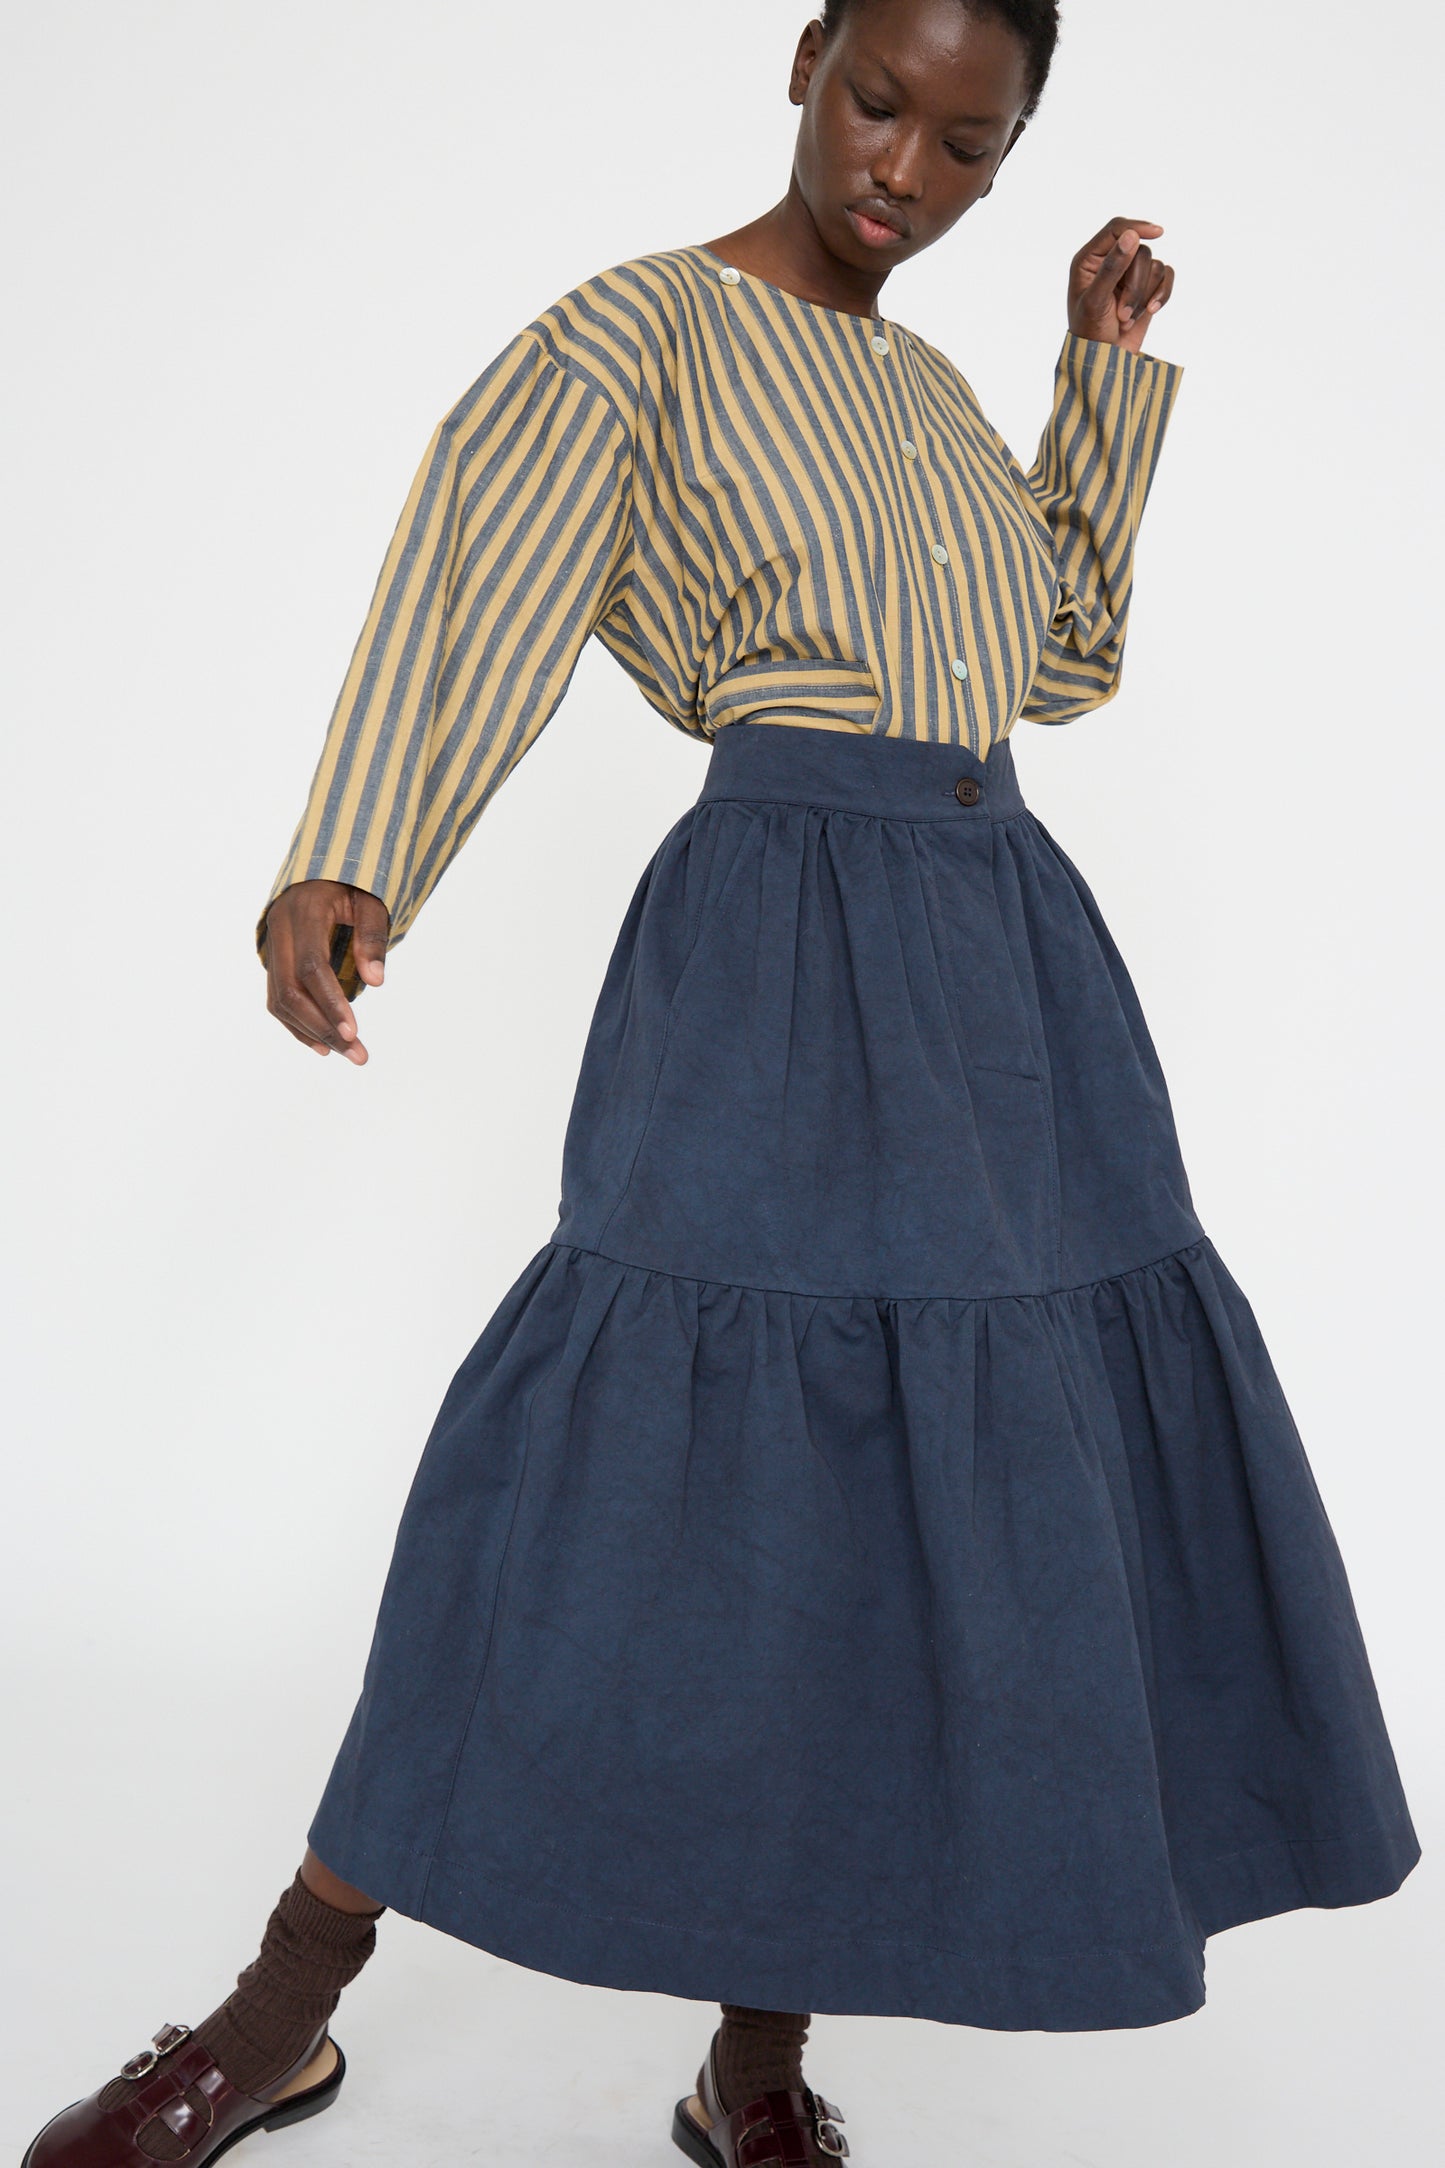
[(680, 897)]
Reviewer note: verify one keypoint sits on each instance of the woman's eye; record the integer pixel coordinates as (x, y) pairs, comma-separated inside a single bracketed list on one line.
[(884, 112)]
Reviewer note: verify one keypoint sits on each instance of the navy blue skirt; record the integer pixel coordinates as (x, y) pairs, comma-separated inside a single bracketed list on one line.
[(867, 1562)]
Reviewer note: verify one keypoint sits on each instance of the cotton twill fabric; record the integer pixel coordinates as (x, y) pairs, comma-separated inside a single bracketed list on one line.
[(867, 1562)]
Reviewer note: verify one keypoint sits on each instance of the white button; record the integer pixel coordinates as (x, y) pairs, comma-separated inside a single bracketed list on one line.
[(940, 553), (878, 343), (909, 448), (729, 275), (959, 667)]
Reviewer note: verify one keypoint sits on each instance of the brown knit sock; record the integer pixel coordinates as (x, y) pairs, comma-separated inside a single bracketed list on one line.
[(309, 1951), (759, 2051)]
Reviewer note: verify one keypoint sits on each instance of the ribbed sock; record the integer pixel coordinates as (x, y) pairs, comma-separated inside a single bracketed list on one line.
[(759, 2051), (309, 1952)]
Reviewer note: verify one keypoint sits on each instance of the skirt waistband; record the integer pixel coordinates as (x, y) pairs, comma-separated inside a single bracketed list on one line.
[(908, 779)]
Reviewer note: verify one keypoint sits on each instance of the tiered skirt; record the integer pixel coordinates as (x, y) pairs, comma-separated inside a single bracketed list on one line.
[(867, 1563)]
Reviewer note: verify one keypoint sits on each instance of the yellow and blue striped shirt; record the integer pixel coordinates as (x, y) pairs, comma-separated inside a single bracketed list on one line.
[(764, 508)]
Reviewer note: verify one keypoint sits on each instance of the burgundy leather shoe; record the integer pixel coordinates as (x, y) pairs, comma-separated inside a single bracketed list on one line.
[(777, 2130), (176, 2080)]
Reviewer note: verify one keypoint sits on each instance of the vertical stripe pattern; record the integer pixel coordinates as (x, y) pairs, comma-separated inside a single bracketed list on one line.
[(763, 508)]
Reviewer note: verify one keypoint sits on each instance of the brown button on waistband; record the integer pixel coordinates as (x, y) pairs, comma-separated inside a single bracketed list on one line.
[(966, 791)]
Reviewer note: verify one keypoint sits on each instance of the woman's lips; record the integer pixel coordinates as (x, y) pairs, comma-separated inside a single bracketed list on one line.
[(873, 230)]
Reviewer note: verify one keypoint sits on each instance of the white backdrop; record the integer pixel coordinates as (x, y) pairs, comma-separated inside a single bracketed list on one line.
[(256, 248)]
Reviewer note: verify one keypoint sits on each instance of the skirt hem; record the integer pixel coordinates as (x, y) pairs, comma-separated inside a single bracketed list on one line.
[(1004, 1990)]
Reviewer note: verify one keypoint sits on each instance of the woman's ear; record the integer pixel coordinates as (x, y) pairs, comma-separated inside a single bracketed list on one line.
[(1018, 129)]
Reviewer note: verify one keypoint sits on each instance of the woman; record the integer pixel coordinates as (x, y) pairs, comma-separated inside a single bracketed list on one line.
[(866, 1563)]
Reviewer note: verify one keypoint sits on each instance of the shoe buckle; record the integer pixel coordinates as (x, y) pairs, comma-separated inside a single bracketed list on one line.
[(826, 2119), (169, 2036)]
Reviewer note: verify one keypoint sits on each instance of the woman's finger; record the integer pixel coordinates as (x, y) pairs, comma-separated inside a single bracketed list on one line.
[(370, 926), (1097, 292), (317, 982), (1100, 260), (1107, 235), (303, 990), (292, 1006), (1135, 323), (1134, 286), (304, 1037), (291, 1002)]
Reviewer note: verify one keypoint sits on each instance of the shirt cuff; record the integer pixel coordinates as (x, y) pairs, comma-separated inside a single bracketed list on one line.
[(1096, 360)]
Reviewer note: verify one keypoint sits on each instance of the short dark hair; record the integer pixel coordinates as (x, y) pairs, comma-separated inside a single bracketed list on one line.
[(1035, 23)]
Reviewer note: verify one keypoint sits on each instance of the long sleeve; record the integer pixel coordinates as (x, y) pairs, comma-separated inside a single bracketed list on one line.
[(1095, 464), (513, 544)]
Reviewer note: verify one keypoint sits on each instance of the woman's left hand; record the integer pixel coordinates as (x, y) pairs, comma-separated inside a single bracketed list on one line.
[(1116, 284)]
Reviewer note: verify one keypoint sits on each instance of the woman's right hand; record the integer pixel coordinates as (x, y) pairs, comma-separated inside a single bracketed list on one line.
[(303, 991)]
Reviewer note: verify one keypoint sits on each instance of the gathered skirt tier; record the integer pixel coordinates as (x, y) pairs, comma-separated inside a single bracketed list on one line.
[(867, 1563)]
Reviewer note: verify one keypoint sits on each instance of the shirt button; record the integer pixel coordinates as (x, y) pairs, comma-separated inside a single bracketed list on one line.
[(878, 343), (959, 667), (966, 791), (729, 275), (940, 554), (909, 448)]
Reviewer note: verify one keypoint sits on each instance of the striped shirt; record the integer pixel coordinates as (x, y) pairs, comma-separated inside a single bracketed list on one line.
[(765, 509)]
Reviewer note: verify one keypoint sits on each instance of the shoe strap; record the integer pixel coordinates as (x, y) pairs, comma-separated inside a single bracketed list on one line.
[(787, 2129), (176, 2082)]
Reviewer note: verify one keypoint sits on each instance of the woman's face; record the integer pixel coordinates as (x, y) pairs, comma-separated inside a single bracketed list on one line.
[(908, 110)]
